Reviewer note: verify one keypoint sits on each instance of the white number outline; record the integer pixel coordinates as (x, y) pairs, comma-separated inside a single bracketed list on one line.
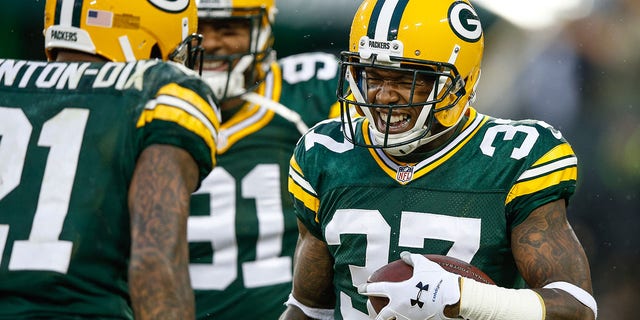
[(312, 138), (509, 133), (415, 227), (302, 67), (262, 183), (63, 134)]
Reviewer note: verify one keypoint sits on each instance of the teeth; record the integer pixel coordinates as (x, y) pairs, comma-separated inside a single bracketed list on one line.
[(212, 64), (394, 118)]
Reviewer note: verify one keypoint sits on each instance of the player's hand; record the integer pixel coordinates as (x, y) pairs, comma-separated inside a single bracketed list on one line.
[(421, 297)]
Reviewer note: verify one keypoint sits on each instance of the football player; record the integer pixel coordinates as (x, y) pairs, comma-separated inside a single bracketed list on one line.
[(242, 229), (423, 172), (100, 150)]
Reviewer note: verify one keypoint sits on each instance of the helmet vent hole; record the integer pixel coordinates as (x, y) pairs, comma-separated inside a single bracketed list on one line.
[(155, 52)]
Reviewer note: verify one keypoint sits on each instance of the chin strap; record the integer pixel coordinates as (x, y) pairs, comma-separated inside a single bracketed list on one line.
[(228, 84)]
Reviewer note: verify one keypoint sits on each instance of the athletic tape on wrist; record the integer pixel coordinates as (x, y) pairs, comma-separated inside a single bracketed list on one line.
[(316, 313), (580, 294), (481, 301)]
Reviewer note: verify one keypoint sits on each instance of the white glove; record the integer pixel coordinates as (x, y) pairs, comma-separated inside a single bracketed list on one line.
[(421, 297)]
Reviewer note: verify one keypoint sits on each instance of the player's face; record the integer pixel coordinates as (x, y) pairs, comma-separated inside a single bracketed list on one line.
[(392, 87), (223, 37)]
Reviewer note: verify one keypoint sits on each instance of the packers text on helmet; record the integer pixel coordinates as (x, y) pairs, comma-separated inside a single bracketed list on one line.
[(123, 30), (437, 45)]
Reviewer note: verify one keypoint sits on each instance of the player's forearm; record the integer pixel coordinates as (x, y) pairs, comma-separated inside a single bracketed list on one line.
[(313, 272), (313, 294), (159, 266), (553, 262), (158, 290)]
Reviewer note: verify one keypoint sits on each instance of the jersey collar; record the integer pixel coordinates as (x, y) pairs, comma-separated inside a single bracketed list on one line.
[(403, 173)]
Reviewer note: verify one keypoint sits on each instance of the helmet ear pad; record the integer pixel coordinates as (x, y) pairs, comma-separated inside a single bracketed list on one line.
[(450, 116)]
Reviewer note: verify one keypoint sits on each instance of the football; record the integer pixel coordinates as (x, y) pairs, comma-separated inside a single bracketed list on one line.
[(398, 270)]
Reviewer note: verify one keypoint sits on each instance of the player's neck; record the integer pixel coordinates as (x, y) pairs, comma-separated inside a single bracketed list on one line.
[(230, 109)]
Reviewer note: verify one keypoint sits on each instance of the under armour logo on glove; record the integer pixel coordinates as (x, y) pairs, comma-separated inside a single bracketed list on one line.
[(420, 289), (437, 288)]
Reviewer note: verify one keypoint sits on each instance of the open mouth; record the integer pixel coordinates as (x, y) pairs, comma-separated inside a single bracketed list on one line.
[(398, 122)]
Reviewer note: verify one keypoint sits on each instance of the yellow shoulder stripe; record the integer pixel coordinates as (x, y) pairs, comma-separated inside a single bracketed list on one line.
[(184, 119), (309, 199), (194, 99), (184, 107), (540, 183), (558, 152), (294, 164)]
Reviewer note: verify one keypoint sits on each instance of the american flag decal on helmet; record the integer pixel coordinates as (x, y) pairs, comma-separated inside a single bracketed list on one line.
[(99, 18), (404, 174)]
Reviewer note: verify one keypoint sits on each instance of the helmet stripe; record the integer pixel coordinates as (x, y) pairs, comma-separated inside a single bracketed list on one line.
[(395, 19), (68, 13), (373, 22), (385, 19)]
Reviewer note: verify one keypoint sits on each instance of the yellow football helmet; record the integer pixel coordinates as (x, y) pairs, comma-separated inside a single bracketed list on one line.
[(243, 69), (441, 40), (124, 30)]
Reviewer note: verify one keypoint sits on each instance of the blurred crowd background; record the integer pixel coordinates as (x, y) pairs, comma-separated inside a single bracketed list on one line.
[(573, 63)]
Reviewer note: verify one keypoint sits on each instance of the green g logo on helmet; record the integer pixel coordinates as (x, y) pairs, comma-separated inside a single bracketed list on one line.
[(464, 22)]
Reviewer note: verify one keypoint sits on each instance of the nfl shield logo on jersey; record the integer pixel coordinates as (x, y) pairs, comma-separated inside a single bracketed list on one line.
[(404, 174)]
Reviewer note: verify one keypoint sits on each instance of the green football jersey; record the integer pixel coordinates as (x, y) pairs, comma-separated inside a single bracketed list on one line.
[(70, 134), (242, 229), (462, 200)]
